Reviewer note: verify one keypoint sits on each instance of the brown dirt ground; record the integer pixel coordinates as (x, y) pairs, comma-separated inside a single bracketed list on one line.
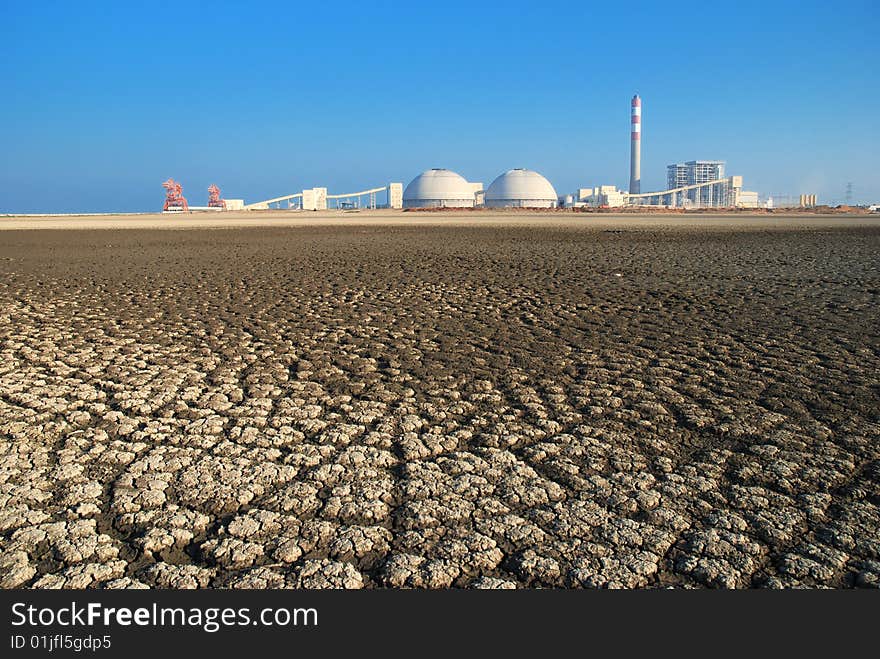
[(611, 404)]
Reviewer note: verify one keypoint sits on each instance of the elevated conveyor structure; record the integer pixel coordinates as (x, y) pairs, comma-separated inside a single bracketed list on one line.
[(346, 197), (318, 199), (275, 200), (720, 193)]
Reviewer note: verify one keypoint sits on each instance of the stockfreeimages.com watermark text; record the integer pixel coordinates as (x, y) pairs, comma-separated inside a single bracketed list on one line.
[(208, 619)]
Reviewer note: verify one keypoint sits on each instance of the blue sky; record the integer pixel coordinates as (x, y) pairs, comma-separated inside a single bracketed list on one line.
[(104, 101)]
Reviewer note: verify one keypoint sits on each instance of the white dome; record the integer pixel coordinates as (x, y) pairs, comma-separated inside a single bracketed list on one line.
[(521, 187), (438, 188)]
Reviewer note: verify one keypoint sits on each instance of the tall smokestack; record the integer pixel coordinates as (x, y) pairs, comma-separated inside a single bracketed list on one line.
[(635, 153)]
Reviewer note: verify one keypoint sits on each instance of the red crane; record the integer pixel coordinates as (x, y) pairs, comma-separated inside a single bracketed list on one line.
[(174, 196), (214, 200)]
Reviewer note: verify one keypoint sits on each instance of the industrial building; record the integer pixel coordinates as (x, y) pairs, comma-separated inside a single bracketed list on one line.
[(440, 188), (703, 171), (746, 199), (603, 196), (520, 188), (692, 184), (443, 188), (694, 173), (807, 201)]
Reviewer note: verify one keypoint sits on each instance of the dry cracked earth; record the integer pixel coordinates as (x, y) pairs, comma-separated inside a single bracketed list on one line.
[(440, 407)]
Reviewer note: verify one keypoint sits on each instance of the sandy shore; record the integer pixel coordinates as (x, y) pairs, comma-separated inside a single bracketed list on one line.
[(400, 218), (516, 401)]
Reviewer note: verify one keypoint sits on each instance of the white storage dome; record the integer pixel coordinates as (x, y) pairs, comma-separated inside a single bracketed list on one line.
[(521, 187), (438, 188)]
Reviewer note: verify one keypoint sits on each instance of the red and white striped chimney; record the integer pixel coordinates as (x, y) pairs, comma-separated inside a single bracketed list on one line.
[(635, 153)]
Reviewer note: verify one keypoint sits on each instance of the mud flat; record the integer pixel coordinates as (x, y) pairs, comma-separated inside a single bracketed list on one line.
[(483, 402)]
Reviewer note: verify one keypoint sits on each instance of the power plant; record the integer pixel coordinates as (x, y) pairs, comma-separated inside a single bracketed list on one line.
[(693, 184)]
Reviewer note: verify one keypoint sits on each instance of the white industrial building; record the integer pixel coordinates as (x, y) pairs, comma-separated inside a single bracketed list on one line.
[(694, 173), (395, 195), (440, 188), (314, 199), (746, 199), (520, 188), (602, 196)]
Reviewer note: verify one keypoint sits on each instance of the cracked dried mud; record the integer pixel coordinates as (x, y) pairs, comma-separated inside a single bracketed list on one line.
[(440, 406)]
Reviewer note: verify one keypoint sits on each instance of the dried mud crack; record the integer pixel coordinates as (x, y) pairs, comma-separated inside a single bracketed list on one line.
[(431, 407)]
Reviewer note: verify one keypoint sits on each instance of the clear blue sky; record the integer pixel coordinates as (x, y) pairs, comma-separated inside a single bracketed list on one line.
[(104, 101)]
